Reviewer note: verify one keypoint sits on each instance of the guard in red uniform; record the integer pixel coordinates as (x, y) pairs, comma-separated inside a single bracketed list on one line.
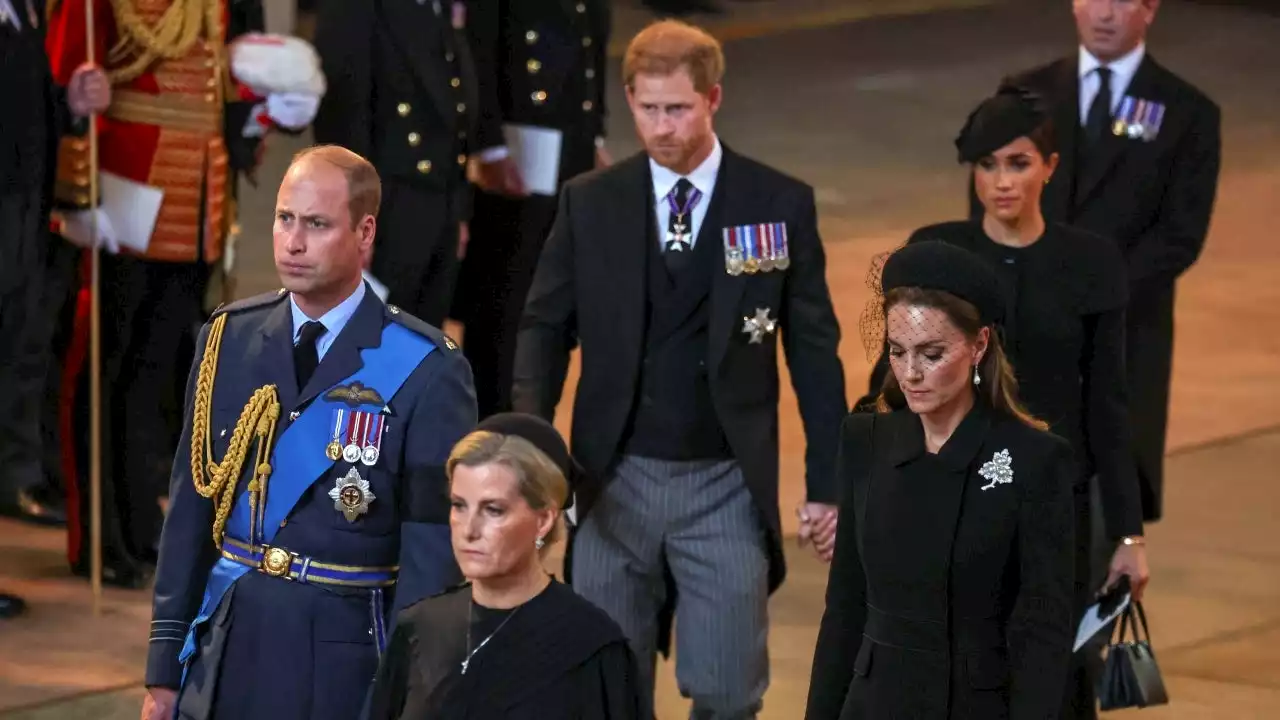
[(181, 124)]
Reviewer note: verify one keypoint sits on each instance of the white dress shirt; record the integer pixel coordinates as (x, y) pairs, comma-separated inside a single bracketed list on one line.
[(703, 178), (333, 321), (1122, 71)]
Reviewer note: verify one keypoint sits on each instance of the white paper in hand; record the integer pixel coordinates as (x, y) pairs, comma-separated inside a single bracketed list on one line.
[(378, 288), (1093, 622), (536, 151), (133, 208)]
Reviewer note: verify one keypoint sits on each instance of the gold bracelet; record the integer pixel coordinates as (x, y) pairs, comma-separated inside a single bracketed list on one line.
[(1133, 540)]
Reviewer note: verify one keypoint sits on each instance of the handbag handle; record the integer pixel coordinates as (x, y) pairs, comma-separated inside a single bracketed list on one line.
[(1127, 616)]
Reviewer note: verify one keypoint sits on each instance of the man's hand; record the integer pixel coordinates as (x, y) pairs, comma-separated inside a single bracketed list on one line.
[(464, 237), (89, 91), (501, 177), (77, 228), (1130, 560), (159, 703), (818, 526)]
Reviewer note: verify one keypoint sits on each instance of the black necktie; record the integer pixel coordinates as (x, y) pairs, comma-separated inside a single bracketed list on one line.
[(1099, 117), (305, 355), (679, 248)]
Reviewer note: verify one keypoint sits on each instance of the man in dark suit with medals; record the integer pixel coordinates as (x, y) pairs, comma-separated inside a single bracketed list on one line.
[(1140, 155), (543, 63), (313, 500), (403, 92), (677, 270), (1141, 152)]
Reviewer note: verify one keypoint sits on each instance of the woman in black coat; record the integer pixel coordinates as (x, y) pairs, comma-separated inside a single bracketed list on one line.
[(950, 589), (1065, 333)]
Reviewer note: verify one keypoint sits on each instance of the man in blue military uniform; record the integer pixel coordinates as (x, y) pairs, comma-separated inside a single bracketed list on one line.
[(313, 500)]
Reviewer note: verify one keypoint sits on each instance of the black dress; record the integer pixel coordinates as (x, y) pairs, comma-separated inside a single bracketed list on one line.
[(1065, 335), (557, 657), (950, 590)]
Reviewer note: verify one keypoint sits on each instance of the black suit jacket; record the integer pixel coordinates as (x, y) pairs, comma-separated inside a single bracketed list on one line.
[(591, 284), (1154, 199), (543, 62), (391, 89), (950, 594)]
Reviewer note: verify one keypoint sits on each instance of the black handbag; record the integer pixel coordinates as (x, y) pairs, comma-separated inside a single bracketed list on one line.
[(1130, 676)]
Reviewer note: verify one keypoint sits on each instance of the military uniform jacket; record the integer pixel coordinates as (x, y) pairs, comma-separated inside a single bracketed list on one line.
[(591, 283), (279, 648), (543, 62), (950, 591), (402, 88)]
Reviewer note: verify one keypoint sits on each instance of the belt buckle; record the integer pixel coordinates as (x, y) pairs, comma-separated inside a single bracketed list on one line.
[(277, 562)]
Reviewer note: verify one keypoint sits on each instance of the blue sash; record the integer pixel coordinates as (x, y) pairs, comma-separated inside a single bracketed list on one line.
[(298, 459)]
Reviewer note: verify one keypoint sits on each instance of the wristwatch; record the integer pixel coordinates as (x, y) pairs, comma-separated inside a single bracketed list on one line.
[(1133, 540)]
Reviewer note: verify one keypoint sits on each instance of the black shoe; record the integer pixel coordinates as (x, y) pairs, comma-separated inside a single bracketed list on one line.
[(35, 505), (11, 606)]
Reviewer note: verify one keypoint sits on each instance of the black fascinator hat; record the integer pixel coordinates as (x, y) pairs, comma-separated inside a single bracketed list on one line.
[(542, 435), (936, 265), (1011, 113)]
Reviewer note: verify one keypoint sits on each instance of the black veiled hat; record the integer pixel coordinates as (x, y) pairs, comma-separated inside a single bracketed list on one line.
[(936, 265), (1002, 118), (542, 435)]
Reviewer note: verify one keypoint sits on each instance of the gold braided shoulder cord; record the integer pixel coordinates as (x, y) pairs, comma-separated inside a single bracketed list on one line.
[(217, 480), (172, 36)]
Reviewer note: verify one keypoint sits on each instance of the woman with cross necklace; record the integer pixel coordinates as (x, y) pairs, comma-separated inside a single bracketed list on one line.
[(512, 642)]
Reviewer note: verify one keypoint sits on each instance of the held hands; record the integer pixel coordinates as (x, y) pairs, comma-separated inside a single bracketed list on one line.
[(159, 703), (818, 526), (1130, 560), (89, 91)]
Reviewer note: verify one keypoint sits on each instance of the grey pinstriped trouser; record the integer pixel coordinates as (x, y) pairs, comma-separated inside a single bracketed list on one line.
[(697, 520)]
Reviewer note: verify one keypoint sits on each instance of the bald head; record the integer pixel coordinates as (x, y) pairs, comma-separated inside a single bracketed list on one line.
[(325, 224)]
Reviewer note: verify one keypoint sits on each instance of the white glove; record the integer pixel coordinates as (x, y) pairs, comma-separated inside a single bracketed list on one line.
[(294, 111), (77, 227), (269, 63)]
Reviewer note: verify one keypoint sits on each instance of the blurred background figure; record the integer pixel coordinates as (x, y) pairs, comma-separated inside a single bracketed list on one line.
[(544, 63)]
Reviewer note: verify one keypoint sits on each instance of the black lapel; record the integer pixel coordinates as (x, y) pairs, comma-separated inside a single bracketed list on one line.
[(363, 330), (735, 196), (632, 214), (1056, 201), (420, 34), (274, 353), (1112, 146)]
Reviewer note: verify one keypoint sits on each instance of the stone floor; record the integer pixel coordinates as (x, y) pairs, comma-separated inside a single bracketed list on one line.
[(861, 98)]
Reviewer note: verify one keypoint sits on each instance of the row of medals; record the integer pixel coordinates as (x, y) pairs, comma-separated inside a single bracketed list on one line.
[(352, 453), (735, 263)]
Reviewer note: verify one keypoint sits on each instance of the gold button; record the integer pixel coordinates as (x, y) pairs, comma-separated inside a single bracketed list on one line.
[(424, 166), (531, 37), (210, 97), (582, 7), (414, 139), (587, 105), (462, 159), (455, 82), (539, 97), (586, 42), (208, 63), (211, 83), (591, 73), (462, 107), (81, 198), (534, 66), (403, 109)]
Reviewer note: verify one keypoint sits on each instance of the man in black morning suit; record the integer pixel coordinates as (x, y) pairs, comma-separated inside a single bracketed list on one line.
[(543, 64), (677, 269), (1143, 172), (403, 92)]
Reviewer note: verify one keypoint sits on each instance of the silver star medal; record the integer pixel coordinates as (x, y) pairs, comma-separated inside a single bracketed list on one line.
[(678, 238), (999, 470), (351, 495), (760, 325)]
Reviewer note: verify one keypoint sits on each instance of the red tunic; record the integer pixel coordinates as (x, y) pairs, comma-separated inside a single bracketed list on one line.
[(164, 128)]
